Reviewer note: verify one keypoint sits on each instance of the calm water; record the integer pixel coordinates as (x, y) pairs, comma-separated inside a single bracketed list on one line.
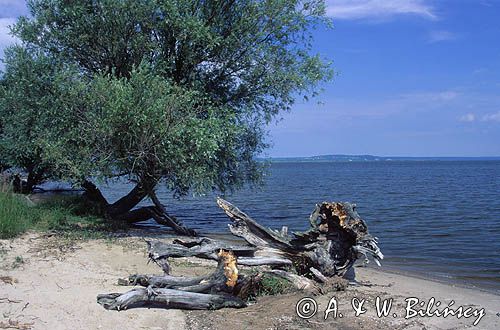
[(437, 218)]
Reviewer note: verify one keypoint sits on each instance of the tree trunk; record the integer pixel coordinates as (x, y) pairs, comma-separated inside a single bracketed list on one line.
[(123, 209), (337, 238), (167, 298), (214, 291), (93, 194), (34, 178), (314, 261), (207, 248), (26, 186), (152, 212), (130, 200)]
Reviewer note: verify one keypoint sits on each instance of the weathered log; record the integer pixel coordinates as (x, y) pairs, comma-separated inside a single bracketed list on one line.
[(337, 238), (167, 298), (213, 291), (207, 248), (314, 260), (223, 279)]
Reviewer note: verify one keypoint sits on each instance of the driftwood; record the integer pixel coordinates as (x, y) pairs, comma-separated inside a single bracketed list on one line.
[(207, 248), (337, 238), (167, 298), (314, 260), (214, 291)]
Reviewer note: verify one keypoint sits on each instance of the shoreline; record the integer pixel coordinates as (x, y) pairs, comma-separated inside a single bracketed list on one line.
[(55, 282), (437, 279), (390, 268)]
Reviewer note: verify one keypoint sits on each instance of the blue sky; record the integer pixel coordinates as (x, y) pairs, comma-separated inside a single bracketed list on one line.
[(415, 78)]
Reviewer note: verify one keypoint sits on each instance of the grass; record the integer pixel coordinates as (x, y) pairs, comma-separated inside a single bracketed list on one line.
[(70, 216), (267, 285), (18, 262), (15, 215), (273, 285)]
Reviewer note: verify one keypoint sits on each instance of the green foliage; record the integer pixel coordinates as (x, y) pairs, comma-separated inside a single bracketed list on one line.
[(64, 215), (251, 54), (158, 90), (15, 216), (30, 103), (21, 102), (18, 262), (266, 285), (273, 285)]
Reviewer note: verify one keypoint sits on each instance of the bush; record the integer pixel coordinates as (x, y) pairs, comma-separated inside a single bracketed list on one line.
[(273, 285)]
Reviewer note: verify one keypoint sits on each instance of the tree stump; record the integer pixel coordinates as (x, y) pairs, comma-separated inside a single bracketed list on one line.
[(310, 260)]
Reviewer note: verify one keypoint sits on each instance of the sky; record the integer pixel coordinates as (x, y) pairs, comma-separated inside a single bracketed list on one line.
[(414, 78)]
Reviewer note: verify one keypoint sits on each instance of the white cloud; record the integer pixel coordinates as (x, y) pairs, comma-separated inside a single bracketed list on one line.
[(492, 117), (359, 9), (445, 96), (441, 35), (468, 118), (378, 107), (480, 71), (430, 98)]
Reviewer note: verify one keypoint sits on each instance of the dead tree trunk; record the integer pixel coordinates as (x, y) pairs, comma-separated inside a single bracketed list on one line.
[(314, 260), (336, 239), (215, 291), (167, 298)]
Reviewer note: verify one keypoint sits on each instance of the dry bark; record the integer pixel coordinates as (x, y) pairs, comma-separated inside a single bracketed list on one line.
[(213, 291), (337, 238), (314, 260)]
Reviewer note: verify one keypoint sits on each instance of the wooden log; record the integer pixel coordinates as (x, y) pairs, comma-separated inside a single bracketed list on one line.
[(213, 291), (167, 298), (255, 234), (337, 238), (162, 281), (318, 257), (223, 279), (207, 248)]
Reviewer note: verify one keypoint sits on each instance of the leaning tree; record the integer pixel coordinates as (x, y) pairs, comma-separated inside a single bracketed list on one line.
[(171, 91)]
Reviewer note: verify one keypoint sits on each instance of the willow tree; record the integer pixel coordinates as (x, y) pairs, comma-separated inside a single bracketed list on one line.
[(32, 89), (177, 91)]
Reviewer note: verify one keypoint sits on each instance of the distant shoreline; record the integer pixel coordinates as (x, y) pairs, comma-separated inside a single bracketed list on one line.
[(372, 158)]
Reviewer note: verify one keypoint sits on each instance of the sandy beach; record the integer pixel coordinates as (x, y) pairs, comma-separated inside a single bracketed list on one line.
[(48, 282)]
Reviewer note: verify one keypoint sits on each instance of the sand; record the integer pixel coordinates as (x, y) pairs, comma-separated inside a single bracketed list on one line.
[(52, 283)]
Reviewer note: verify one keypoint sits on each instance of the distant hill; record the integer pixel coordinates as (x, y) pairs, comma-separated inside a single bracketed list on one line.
[(368, 158)]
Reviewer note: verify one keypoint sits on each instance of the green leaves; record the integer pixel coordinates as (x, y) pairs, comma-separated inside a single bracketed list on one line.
[(177, 90), (253, 55), (31, 92)]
